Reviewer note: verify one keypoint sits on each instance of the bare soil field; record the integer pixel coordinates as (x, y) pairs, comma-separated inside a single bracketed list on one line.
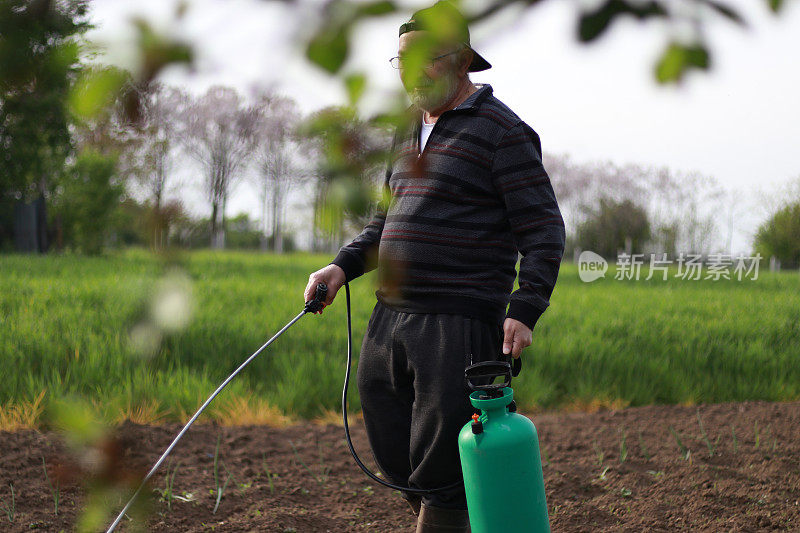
[(723, 467)]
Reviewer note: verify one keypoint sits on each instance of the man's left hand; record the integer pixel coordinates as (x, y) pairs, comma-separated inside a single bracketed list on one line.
[(516, 336)]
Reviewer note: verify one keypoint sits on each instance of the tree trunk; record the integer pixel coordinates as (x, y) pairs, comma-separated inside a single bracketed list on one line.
[(277, 241), (278, 237), (41, 214), (222, 226), (264, 223), (213, 224), (158, 222)]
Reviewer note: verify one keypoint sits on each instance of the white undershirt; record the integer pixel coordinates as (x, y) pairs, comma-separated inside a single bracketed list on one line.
[(426, 130), (424, 133)]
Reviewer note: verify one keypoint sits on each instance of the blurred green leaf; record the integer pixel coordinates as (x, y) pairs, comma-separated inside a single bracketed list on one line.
[(417, 57), (375, 9), (181, 9), (330, 45), (593, 23), (329, 49), (677, 59), (698, 57), (396, 116), (95, 91), (726, 11), (76, 419), (775, 5), (345, 197), (671, 65), (354, 195), (159, 51), (442, 26), (356, 84)]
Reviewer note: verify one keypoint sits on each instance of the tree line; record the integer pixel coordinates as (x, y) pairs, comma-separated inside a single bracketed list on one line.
[(89, 155), (122, 178), (610, 209)]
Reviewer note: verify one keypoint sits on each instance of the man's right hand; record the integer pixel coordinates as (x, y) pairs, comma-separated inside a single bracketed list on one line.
[(333, 276)]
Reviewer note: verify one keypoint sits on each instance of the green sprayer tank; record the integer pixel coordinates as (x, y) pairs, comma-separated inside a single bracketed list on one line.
[(500, 459)]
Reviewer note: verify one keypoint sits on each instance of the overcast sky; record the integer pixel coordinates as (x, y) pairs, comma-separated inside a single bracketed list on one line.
[(739, 123)]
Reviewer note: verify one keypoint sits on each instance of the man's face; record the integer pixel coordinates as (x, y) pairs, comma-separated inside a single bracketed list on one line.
[(429, 83)]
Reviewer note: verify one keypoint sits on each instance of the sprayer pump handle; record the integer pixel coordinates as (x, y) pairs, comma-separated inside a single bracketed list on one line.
[(488, 371)]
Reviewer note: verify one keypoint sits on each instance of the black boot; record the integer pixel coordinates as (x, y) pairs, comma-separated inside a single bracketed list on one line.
[(438, 519)]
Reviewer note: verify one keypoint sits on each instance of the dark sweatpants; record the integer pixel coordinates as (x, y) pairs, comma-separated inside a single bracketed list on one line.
[(414, 398)]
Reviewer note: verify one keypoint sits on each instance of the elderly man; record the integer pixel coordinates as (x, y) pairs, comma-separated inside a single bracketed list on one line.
[(468, 195)]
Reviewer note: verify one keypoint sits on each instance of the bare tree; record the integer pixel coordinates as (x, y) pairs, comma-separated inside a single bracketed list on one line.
[(151, 149), (278, 159), (217, 130)]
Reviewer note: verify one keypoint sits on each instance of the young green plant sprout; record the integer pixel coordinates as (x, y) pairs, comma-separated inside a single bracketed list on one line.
[(269, 474), (686, 453), (324, 468), (711, 447), (598, 454), (55, 490), (10, 510), (304, 465), (623, 447), (643, 448), (168, 493), (757, 435), (219, 490)]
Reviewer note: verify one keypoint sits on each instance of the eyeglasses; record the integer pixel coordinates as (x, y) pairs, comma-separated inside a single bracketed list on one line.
[(399, 61)]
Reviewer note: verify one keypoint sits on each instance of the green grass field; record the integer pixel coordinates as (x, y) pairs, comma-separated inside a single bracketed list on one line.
[(66, 325)]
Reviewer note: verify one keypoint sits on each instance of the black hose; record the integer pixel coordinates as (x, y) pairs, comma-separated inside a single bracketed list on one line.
[(347, 427)]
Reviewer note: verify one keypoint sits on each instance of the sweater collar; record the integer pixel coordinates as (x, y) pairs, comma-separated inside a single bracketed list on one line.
[(472, 102)]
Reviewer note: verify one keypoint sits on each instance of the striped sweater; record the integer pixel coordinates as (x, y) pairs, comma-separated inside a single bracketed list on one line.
[(459, 214)]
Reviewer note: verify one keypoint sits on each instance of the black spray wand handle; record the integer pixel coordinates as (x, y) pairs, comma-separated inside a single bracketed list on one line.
[(320, 295)]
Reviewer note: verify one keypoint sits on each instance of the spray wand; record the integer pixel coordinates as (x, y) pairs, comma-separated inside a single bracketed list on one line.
[(312, 306)]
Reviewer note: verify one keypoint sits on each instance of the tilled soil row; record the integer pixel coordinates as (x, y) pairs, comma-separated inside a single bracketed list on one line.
[(725, 467)]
